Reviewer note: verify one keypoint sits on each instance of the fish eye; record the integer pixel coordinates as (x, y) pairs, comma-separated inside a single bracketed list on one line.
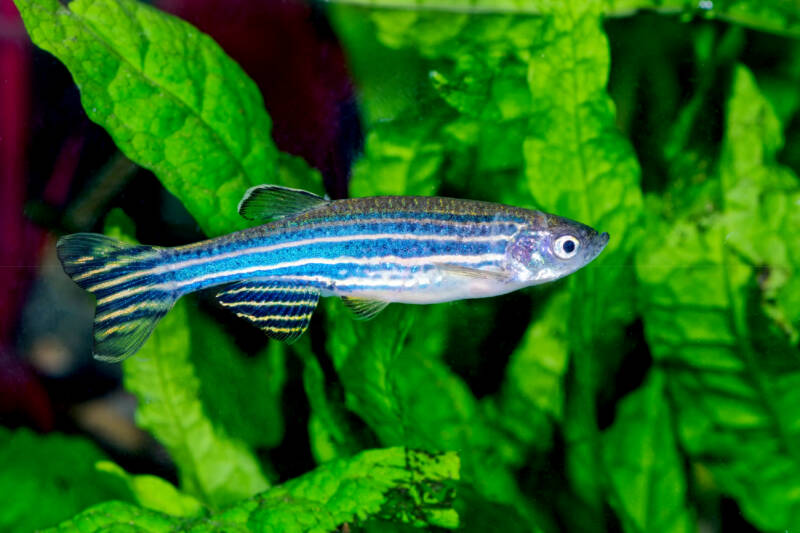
[(566, 246)]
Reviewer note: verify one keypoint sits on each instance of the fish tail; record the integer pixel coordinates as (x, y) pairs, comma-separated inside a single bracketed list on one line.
[(131, 288)]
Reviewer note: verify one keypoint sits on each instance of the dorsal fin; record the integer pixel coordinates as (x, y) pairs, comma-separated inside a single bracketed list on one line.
[(264, 202)]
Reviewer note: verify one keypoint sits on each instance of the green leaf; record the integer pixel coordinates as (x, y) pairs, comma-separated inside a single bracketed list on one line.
[(385, 94), (119, 516), (169, 96), (393, 379), (531, 399), (579, 166), (241, 395), (708, 281), (400, 158), (212, 466), (154, 493), (394, 484), (645, 470), (329, 428), (530, 94), (46, 479), (294, 172), (777, 16)]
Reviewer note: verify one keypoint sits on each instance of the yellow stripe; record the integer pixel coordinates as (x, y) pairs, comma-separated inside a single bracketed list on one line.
[(267, 318), (268, 304), (127, 310), (262, 288), (119, 327), (285, 330)]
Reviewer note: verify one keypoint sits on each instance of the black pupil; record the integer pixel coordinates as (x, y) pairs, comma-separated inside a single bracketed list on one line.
[(569, 246)]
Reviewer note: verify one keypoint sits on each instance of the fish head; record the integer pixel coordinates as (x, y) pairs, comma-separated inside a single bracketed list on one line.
[(553, 248)]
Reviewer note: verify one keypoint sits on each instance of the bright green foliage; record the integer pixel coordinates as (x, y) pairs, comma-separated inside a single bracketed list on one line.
[(496, 100), (195, 393), (152, 492), (731, 373), (642, 461), (227, 377), (213, 467), (241, 395), (47, 479), (168, 95), (394, 381), (394, 484), (329, 432), (118, 516), (532, 396), (578, 165), (530, 93), (214, 463), (778, 16), (408, 156), (757, 188)]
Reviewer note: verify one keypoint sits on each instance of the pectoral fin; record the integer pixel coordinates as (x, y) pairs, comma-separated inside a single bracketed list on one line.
[(474, 273), (364, 309), (282, 310), (265, 202)]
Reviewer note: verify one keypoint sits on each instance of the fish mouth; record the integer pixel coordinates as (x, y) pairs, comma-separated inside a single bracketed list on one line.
[(598, 244)]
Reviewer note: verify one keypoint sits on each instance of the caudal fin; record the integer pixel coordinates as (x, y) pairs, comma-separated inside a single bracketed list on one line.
[(132, 293)]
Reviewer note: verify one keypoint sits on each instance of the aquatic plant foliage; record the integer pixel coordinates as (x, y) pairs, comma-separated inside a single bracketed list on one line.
[(639, 393)]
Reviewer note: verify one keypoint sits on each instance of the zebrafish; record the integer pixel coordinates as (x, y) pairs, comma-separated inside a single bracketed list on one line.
[(368, 251)]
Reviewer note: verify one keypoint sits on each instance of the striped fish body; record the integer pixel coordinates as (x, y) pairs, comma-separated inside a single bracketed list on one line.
[(370, 251), (393, 249)]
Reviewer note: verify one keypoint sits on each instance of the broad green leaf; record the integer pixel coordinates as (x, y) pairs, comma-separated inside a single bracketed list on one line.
[(531, 399), (646, 472), (119, 516), (394, 484), (241, 395), (712, 281), (154, 493), (46, 479), (754, 185), (294, 172), (393, 379), (329, 430), (531, 101), (579, 166), (400, 158), (212, 466), (385, 94), (777, 16), (169, 96)]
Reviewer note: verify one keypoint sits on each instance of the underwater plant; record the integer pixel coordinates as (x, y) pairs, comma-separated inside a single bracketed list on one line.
[(645, 392)]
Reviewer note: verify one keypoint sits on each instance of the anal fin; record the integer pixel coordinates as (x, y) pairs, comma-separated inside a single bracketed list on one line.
[(281, 309), (364, 309)]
